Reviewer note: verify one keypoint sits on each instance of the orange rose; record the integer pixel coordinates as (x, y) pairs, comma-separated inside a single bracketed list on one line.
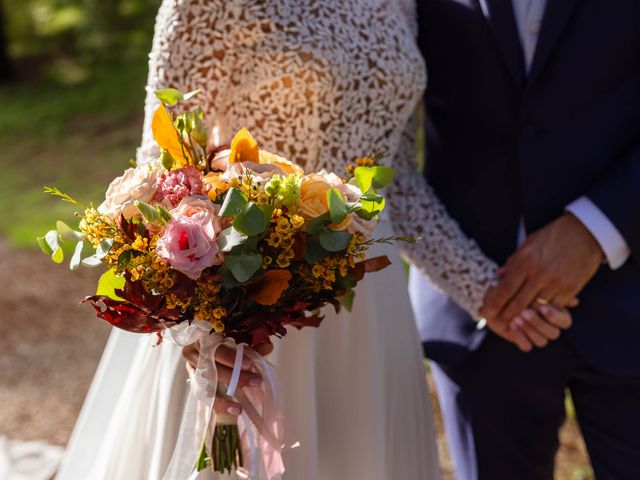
[(313, 200), (282, 163)]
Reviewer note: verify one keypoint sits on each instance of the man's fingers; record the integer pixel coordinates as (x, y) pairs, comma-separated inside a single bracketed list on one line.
[(560, 318), (540, 325), (247, 379), (223, 404), (521, 301), (499, 296)]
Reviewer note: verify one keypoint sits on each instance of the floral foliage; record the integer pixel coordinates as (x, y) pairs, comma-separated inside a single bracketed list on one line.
[(237, 236)]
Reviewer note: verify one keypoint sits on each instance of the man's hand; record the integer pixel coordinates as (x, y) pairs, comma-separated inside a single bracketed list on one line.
[(552, 266)]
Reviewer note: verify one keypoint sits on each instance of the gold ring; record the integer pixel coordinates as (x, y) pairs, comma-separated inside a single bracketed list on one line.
[(542, 301)]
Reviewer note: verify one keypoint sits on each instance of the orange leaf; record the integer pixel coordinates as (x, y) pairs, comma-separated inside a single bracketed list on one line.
[(268, 289), (166, 136), (244, 148)]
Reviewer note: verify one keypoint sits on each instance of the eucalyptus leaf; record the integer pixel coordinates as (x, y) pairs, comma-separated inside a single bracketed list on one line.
[(251, 220), (76, 258), (91, 261), (234, 202), (314, 251), (53, 240), (44, 246), (58, 255), (337, 208), (364, 177), (244, 267), (382, 176), (334, 241), (346, 300), (191, 94), (170, 96), (67, 233), (109, 282), (230, 238), (103, 248)]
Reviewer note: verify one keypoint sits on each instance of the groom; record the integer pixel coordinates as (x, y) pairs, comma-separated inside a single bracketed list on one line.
[(533, 136)]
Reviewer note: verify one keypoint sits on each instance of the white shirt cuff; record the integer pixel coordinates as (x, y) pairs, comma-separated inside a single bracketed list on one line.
[(611, 241)]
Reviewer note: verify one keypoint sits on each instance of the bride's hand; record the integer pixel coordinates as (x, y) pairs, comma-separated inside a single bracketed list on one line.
[(542, 323), (225, 359)]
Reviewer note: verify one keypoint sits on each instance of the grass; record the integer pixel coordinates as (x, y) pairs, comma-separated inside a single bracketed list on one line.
[(76, 137)]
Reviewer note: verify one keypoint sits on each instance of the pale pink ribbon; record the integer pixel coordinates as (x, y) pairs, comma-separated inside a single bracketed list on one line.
[(260, 423)]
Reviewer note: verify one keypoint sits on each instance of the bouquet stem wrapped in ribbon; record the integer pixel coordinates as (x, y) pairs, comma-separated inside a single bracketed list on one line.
[(225, 245)]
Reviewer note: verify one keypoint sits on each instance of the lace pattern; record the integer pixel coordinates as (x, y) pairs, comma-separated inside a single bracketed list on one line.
[(319, 82)]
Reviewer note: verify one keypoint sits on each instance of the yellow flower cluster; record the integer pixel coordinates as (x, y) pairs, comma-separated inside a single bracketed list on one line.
[(206, 305), (144, 265), (360, 162), (97, 227), (281, 239), (322, 276)]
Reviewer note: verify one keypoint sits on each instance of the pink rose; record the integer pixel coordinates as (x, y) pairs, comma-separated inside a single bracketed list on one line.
[(189, 243), (134, 185), (174, 185)]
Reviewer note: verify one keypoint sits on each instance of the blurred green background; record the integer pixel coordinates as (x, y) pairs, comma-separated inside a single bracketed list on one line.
[(72, 76)]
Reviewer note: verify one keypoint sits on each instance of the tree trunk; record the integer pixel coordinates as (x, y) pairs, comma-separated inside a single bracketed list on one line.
[(6, 68)]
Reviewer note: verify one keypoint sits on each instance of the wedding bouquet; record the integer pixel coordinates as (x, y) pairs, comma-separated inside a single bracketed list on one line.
[(225, 245)]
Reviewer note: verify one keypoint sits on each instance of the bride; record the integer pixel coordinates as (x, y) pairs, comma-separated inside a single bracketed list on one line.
[(318, 82)]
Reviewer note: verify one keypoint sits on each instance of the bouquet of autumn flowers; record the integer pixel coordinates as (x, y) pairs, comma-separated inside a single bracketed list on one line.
[(233, 239)]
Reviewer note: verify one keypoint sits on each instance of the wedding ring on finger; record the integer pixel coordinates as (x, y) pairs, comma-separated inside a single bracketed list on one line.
[(542, 301)]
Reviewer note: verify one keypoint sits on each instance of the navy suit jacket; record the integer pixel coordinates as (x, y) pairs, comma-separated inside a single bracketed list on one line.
[(503, 145)]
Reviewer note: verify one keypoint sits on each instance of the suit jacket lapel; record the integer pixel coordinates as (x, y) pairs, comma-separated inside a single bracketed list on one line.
[(499, 15), (556, 16)]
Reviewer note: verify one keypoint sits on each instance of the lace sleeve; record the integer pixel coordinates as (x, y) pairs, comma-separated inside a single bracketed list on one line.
[(188, 53), (452, 261)]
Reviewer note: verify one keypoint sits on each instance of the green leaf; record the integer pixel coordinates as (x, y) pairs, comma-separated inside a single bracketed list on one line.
[(191, 94), (382, 176), (153, 215), (251, 220), (230, 238), (103, 248), (347, 282), (334, 241), (67, 233), (124, 258), (91, 261), (62, 196), (314, 226), (346, 300), (166, 159), (314, 252), (364, 177), (76, 258), (234, 202), (376, 177), (44, 246), (58, 255), (170, 96), (244, 267), (51, 244), (337, 208), (110, 282)]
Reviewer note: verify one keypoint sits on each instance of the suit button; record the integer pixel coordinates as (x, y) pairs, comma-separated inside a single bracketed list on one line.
[(528, 131)]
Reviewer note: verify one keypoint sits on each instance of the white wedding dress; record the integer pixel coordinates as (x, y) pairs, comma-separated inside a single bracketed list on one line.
[(318, 82)]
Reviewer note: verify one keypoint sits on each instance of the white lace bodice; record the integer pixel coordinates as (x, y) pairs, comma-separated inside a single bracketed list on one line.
[(319, 82)]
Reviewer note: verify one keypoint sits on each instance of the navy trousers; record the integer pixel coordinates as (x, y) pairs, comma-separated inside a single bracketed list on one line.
[(503, 409)]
